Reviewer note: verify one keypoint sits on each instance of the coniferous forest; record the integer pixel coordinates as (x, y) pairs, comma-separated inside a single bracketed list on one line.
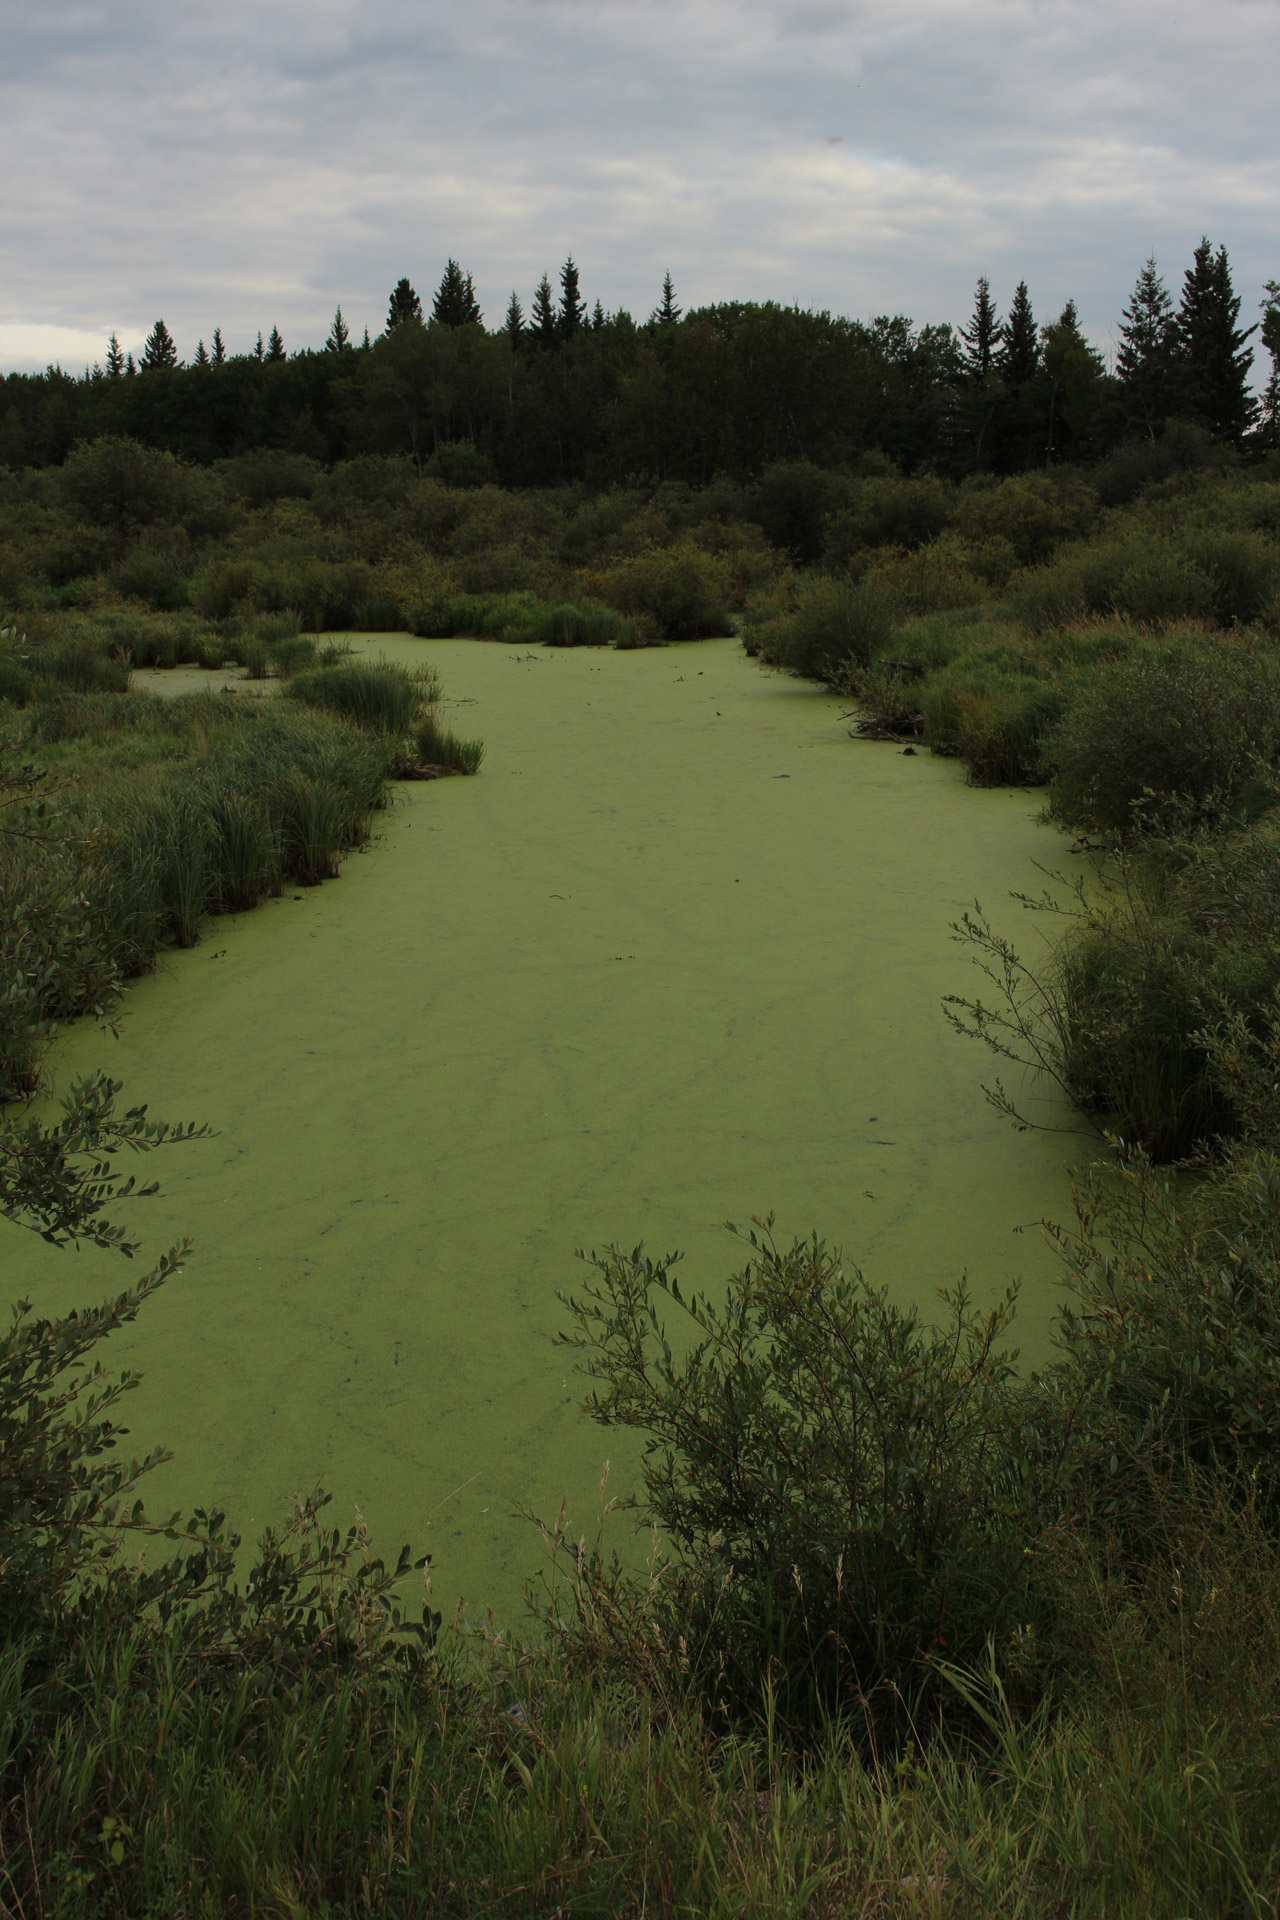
[(567, 394)]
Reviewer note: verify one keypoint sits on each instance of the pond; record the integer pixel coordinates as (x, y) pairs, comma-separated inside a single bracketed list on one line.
[(674, 958)]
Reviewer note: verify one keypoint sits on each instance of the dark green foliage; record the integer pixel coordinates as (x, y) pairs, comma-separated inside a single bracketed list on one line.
[(983, 334), (1160, 983), (1213, 360), (219, 349), (997, 724), (454, 303), (1019, 353), (544, 313), (339, 340), (159, 351), (275, 346), (404, 305), (793, 501), (832, 625), (1190, 732), (573, 307), (514, 322), (115, 358), (668, 310), (1147, 353)]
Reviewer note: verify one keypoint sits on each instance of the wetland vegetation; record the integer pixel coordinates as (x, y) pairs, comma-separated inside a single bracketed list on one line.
[(924, 1629)]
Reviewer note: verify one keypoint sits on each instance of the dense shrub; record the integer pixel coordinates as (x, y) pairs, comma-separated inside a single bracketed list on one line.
[(996, 724), (840, 1482), (1191, 730), (830, 623), (682, 588)]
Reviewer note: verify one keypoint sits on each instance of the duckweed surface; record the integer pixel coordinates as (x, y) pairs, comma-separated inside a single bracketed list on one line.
[(674, 957)]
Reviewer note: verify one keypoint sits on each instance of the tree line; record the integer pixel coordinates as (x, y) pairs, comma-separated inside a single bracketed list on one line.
[(570, 393)]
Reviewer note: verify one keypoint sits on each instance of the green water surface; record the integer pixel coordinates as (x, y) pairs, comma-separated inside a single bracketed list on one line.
[(674, 957)]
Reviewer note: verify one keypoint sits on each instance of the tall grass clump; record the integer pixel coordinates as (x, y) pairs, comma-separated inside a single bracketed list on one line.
[(439, 748), (379, 695)]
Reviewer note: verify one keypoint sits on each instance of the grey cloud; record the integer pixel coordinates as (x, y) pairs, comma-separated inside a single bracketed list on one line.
[(257, 163)]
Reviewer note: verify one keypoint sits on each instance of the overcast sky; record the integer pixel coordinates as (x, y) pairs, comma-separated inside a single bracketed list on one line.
[(245, 165)]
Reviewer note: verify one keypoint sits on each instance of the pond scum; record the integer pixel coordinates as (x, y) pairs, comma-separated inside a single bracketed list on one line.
[(920, 1634)]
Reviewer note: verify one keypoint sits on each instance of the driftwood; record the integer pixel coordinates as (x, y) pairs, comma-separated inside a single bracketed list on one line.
[(903, 725)]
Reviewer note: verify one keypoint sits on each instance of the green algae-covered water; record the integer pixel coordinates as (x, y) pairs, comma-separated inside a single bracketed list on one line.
[(675, 957)]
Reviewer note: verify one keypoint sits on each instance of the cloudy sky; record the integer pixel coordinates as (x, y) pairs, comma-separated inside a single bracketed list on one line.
[(245, 165)]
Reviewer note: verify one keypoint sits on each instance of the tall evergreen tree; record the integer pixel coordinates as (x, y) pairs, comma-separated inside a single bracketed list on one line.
[(129, 368), (365, 342), (573, 308), (667, 312), (115, 358), (455, 303), (339, 334), (514, 322), (1073, 374), (982, 335), (544, 312), (1018, 359), (1146, 358), (1213, 360), (202, 354), (159, 350), (1269, 425), (258, 349), (275, 345), (597, 317), (219, 348), (404, 305)]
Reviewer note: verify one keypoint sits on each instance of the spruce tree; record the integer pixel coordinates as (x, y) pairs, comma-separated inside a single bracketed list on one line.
[(455, 303), (159, 350), (666, 313), (129, 368), (1146, 358), (597, 317), (365, 342), (982, 335), (573, 308), (1269, 426), (339, 334), (257, 346), (219, 348), (115, 358), (404, 305), (544, 312), (1019, 356), (275, 345), (1213, 360), (514, 322), (202, 354)]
